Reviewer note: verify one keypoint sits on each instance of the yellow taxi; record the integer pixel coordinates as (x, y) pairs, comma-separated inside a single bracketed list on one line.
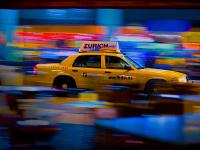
[(101, 63)]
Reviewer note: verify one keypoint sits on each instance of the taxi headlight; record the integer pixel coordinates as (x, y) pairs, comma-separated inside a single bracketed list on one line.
[(182, 79)]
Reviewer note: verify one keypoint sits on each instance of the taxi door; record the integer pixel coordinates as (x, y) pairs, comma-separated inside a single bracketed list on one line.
[(87, 71), (118, 71)]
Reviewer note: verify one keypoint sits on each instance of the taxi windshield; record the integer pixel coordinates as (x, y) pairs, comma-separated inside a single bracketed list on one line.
[(132, 62)]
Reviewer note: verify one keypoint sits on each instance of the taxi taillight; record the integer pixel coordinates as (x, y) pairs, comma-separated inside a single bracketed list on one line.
[(35, 70)]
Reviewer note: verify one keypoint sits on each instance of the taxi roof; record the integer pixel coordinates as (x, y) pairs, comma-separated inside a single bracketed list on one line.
[(99, 53)]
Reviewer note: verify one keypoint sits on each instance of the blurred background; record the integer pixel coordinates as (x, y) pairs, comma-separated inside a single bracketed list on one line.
[(158, 38), (117, 116)]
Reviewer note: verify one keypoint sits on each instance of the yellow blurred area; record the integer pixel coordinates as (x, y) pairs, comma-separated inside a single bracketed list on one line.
[(32, 45), (24, 45), (173, 61), (63, 100), (191, 37), (31, 52), (86, 97)]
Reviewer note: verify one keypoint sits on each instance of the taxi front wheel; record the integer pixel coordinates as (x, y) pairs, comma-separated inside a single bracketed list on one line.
[(152, 87)]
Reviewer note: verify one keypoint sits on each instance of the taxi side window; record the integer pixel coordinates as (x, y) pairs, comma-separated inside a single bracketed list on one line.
[(113, 62), (88, 61)]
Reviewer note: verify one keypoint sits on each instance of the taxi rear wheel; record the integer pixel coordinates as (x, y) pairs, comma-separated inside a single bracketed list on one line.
[(64, 83), (64, 86)]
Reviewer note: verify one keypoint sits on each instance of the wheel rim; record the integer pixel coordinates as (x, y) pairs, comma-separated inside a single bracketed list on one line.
[(64, 86), (154, 89)]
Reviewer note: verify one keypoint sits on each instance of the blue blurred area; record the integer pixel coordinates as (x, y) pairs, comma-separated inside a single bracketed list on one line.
[(170, 129), (168, 25), (75, 137)]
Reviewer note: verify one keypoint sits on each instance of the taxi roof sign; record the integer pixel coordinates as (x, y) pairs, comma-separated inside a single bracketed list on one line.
[(99, 46)]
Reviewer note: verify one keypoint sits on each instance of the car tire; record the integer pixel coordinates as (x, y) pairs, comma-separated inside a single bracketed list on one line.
[(152, 86), (64, 83)]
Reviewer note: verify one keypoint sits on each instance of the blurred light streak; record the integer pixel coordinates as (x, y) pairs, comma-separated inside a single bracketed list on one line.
[(92, 104), (133, 38), (33, 123), (170, 96)]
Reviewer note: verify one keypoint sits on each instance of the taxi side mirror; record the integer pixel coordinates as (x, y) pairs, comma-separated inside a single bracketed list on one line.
[(127, 67)]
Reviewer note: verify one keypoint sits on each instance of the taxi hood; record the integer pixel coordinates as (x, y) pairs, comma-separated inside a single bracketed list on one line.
[(161, 72)]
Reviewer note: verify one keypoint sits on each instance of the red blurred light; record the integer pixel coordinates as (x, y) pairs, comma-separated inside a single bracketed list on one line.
[(35, 70), (55, 36)]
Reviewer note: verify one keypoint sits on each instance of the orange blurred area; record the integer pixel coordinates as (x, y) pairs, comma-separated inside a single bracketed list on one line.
[(195, 46), (64, 29)]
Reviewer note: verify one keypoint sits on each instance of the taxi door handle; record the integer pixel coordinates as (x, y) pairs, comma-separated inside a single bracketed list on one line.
[(75, 70), (107, 72)]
